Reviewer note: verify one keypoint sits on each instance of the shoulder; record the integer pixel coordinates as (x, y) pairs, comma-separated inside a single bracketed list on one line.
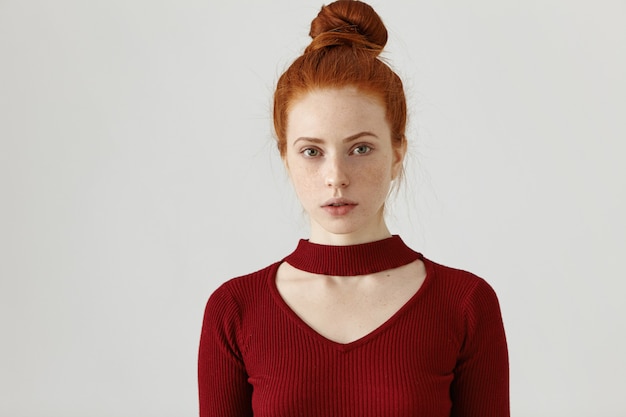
[(463, 288), (454, 278), (225, 312), (232, 302), (241, 290)]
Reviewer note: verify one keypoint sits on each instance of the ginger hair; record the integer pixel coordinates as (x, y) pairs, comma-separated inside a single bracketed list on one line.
[(348, 37)]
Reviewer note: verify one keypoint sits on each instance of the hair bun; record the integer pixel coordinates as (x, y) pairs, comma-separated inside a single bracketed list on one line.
[(348, 22)]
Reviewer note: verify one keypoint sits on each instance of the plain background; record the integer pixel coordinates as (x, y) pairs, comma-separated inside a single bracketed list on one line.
[(138, 172)]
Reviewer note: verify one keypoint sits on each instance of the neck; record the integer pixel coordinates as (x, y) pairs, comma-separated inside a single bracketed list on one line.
[(374, 233)]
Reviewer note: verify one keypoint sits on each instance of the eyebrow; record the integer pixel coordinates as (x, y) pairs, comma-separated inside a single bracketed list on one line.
[(349, 139)]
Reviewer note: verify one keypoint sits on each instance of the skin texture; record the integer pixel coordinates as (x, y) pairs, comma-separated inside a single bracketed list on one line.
[(339, 150), (345, 309)]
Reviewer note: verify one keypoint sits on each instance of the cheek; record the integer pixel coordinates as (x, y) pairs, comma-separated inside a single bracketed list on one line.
[(377, 174), (302, 180), (380, 184), (376, 181)]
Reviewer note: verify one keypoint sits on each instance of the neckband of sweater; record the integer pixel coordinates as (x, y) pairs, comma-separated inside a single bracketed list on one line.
[(361, 259)]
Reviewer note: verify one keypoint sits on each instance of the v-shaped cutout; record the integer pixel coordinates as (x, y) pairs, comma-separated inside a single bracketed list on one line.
[(344, 311)]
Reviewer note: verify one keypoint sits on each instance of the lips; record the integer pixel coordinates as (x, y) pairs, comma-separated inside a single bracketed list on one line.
[(337, 202), (338, 206)]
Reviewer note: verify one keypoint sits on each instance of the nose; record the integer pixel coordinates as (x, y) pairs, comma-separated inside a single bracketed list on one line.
[(336, 174)]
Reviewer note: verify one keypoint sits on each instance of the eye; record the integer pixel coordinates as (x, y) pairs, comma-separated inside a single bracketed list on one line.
[(362, 150), (310, 152)]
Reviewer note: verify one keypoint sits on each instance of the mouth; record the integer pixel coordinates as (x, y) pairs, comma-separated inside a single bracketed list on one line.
[(339, 206), (338, 202)]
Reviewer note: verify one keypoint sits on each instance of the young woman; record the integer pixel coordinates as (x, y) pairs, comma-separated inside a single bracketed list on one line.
[(353, 322)]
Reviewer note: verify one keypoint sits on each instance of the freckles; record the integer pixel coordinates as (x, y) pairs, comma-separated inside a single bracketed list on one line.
[(304, 179), (377, 173)]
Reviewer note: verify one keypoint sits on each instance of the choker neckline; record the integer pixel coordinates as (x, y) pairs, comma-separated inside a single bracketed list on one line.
[(351, 260)]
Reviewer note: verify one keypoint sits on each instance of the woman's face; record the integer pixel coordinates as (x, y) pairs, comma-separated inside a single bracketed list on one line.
[(341, 161)]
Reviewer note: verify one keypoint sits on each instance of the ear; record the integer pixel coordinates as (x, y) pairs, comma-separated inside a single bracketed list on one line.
[(398, 158)]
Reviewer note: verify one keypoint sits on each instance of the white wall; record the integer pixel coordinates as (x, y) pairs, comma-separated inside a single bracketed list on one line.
[(137, 172)]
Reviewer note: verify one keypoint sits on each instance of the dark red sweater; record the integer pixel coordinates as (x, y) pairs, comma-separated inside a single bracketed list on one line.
[(442, 354)]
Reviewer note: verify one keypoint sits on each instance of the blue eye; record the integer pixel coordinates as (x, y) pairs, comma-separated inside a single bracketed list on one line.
[(311, 152), (361, 150)]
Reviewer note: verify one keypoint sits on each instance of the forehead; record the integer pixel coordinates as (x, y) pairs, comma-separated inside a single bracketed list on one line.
[(335, 112)]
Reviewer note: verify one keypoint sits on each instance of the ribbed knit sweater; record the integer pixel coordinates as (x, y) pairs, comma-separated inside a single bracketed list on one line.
[(442, 354)]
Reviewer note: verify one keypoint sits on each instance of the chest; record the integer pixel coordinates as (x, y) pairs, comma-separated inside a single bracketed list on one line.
[(331, 349), (345, 309), (404, 369)]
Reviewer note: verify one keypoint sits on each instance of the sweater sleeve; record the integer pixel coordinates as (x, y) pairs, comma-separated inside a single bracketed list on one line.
[(481, 377), (223, 387)]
